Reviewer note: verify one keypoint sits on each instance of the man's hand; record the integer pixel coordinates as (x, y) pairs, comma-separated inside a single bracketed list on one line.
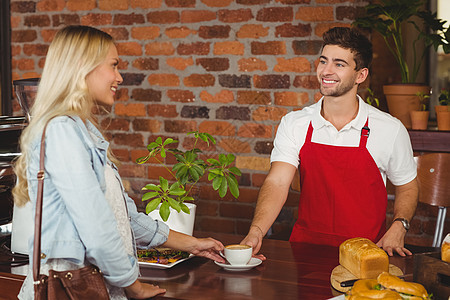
[(254, 239), (394, 240)]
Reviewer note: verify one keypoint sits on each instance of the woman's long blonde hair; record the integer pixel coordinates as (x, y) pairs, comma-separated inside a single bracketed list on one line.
[(73, 54)]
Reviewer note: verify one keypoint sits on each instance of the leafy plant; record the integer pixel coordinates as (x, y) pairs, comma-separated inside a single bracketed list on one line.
[(423, 100), (387, 18), (444, 97), (186, 173), (371, 99)]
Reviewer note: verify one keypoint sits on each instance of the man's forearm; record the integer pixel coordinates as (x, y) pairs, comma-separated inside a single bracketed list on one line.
[(406, 198)]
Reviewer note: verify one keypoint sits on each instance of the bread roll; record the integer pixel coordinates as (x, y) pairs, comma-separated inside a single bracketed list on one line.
[(445, 252), (363, 258)]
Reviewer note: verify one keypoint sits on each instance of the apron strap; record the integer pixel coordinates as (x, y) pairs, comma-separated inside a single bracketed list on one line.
[(309, 133), (365, 131)]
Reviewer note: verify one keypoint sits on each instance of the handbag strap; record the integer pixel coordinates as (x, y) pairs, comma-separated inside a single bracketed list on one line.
[(38, 213)]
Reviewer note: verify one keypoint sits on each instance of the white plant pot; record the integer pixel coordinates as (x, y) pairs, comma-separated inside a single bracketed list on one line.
[(181, 222)]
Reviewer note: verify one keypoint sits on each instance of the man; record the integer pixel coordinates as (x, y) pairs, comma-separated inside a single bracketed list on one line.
[(344, 149)]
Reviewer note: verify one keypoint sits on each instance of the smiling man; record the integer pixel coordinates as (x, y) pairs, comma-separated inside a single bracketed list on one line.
[(344, 150)]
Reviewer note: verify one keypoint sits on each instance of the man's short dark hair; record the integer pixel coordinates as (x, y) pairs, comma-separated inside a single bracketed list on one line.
[(352, 39)]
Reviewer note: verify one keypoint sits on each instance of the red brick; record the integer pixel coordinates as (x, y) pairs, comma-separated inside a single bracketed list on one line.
[(315, 13), (291, 98), (179, 32), (131, 109), (254, 130), (217, 3), (235, 16), (252, 2), (178, 126), (147, 125), (189, 143), (197, 48), (213, 64), (35, 49), (48, 34), (50, 5), (265, 113), (295, 1), (206, 208), (221, 128), (253, 31), (96, 19), (23, 36), (15, 50), (289, 30), (271, 81), (113, 4), (116, 124), (217, 225), (137, 153), (23, 7), (128, 139), (334, 1), (154, 172), (118, 34), (146, 63), (145, 33), (77, 5), (181, 96), (129, 48), (214, 32), (196, 16), (233, 145), (348, 12), (159, 110), (268, 48), (128, 19), (145, 3), (122, 94), (126, 170), (224, 96), (36, 20), (65, 19), (252, 64), (254, 97), (275, 14), (236, 210), (164, 79), (307, 82), (195, 80), (15, 21), (180, 3), (121, 154), (147, 95), (229, 47), (163, 17), (159, 48), (296, 64), (179, 63), (25, 64), (248, 195), (258, 179)]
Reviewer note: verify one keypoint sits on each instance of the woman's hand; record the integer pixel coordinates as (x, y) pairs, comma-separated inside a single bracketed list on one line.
[(139, 290), (206, 247)]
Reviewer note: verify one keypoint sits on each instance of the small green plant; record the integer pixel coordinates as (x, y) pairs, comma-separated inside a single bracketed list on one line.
[(186, 173), (423, 100), (444, 97), (371, 99)]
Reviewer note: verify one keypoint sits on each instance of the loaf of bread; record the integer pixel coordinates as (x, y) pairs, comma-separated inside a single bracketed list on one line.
[(445, 252), (363, 258)]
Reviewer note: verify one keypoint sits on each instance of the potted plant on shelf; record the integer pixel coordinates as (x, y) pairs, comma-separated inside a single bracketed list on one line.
[(387, 18), (443, 110), (371, 99), (174, 194), (419, 118)]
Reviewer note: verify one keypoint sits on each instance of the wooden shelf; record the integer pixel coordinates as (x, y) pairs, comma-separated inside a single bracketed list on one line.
[(430, 140)]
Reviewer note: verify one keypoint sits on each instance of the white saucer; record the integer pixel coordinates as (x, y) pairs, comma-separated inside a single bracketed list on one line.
[(251, 264)]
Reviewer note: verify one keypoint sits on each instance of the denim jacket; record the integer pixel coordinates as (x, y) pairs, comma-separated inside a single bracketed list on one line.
[(77, 221)]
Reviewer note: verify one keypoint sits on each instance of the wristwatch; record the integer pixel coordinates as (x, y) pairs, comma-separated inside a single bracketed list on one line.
[(404, 221)]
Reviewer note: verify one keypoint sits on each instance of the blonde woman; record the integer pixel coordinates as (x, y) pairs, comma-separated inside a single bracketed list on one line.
[(87, 216)]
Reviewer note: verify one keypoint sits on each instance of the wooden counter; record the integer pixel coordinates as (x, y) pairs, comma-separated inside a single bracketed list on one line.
[(291, 271)]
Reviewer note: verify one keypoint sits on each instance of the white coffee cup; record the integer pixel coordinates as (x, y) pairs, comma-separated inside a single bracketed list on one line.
[(238, 255)]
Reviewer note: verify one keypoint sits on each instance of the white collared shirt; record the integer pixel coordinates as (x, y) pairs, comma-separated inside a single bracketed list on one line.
[(388, 143)]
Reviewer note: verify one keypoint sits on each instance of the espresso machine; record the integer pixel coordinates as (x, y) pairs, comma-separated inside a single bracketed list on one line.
[(22, 225)]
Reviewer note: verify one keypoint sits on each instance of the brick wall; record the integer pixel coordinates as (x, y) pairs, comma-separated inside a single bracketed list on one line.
[(232, 68)]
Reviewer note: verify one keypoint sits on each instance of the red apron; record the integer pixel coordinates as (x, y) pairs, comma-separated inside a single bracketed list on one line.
[(342, 194)]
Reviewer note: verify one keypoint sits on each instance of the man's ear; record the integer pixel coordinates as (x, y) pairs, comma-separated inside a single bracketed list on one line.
[(362, 75)]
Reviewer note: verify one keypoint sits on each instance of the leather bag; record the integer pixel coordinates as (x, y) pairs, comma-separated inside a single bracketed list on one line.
[(83, 283)]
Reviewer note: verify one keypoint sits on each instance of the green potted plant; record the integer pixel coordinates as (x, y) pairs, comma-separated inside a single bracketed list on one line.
[(443, 110), (388, 17), (371, 99), (172, 193), (419, 118)]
